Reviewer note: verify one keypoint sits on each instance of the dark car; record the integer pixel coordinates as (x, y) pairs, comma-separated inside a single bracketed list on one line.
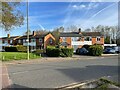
[(117, 49), (109, 51), (82, 51)]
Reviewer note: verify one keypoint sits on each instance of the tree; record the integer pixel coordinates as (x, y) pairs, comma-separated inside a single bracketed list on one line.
[(72, 28), (56, 33), (11, 16)]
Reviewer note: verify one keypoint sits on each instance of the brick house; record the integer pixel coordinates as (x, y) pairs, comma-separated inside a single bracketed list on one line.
[(36, 41), (78, 39), (9, 41)]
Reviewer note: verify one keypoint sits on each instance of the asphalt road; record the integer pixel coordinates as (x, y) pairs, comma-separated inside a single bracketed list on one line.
[(55, 74)]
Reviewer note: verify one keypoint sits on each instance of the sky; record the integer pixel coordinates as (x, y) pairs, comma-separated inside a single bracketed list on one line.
[(50, 15)]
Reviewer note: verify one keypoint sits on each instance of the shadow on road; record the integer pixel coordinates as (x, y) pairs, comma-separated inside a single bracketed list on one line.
[(90, 72)]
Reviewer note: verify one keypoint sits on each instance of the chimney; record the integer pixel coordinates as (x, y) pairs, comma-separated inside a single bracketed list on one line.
[(34, 33), (8, 35), (79, 30)]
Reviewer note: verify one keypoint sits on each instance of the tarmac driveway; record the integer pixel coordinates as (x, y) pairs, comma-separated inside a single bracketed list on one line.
[(59, 73)]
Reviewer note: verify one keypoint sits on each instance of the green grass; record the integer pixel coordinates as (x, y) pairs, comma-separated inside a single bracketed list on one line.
[(8, 56)]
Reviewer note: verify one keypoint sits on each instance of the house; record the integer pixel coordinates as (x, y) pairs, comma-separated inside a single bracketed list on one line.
[(36, 41), (78, 39), (8, 41)]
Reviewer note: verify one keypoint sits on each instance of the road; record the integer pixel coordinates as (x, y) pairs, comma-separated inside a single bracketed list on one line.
[(59, 73)]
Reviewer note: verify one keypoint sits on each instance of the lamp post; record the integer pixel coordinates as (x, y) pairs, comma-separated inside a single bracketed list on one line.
[(27, 32)]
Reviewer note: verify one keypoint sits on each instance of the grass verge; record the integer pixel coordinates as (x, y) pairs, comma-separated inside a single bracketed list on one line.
[(8, 56)]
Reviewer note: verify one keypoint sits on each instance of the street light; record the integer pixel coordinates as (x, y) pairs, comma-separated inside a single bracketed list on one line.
[(27, 32)]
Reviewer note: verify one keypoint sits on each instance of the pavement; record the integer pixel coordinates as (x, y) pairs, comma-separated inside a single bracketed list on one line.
[(57, 72)]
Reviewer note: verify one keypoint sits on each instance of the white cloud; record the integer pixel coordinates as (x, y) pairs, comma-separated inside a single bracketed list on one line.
[(83, 6)]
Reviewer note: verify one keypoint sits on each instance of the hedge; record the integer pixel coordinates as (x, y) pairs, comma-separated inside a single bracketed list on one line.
[(66, 52), (53, 52), (95, 50), (19, 48), (57, 52)]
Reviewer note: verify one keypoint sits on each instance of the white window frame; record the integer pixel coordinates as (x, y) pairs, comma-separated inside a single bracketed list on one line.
[(51, 40), (75, 38), (90, 38), (33, 40), (19, 41), (11, 41), (24, 40), (98, 39), (5, 41), (40, 40)]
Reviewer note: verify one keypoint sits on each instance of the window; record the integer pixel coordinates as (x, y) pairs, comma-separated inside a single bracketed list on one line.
[(24, 40), (51, 41), (75, 38), (19, 41), (6, 41), (64, 39), (33, 40), (11, 41), (87, 38), (40, 40), (98, 38)]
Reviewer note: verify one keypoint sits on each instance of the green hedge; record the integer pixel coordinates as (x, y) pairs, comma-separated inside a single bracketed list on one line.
[(19, 48), (57, 52), (95, 50), (53, 52), (66, 52)]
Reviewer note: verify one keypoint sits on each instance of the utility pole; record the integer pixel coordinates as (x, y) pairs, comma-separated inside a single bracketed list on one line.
[(27, 31)]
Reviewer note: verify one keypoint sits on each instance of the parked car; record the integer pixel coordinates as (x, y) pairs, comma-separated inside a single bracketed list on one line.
[(82, 51), (109, 51), (117, 49)]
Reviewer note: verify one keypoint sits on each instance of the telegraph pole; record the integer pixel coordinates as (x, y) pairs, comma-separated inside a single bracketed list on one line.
[(27, 31)]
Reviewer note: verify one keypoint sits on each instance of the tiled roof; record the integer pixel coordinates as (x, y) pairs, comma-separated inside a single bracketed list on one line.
[(12, 37), (32, 36), (70, 34), (76, 34), (92, 34)]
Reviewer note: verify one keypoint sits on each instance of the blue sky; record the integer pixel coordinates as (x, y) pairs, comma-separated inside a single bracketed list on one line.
[(49, 15)]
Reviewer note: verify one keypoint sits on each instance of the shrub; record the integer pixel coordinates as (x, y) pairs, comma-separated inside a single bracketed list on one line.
[(66, 52), (53, 52), (19, 48), (95, 50), (56, 52)]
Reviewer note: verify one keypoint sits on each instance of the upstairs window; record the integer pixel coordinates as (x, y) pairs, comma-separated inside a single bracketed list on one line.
[(51, 41), (24, 40), (19, 41), (64, 39), (87, 38), (40, 40), (98, 38), (11, 41), (33, 40), (75, 38)]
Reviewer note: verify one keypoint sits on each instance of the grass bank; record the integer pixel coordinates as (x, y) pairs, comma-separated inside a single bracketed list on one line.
[(7, 56)]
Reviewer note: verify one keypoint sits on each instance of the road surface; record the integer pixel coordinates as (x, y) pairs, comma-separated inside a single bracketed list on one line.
[(59, 73)]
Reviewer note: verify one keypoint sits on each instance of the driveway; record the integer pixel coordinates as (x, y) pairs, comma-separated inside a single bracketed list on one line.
[(59, 73)]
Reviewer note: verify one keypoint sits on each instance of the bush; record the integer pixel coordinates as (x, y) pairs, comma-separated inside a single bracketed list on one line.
[(19, 48), (56, 52), (95, 50), (66, 52), (53, 52)]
